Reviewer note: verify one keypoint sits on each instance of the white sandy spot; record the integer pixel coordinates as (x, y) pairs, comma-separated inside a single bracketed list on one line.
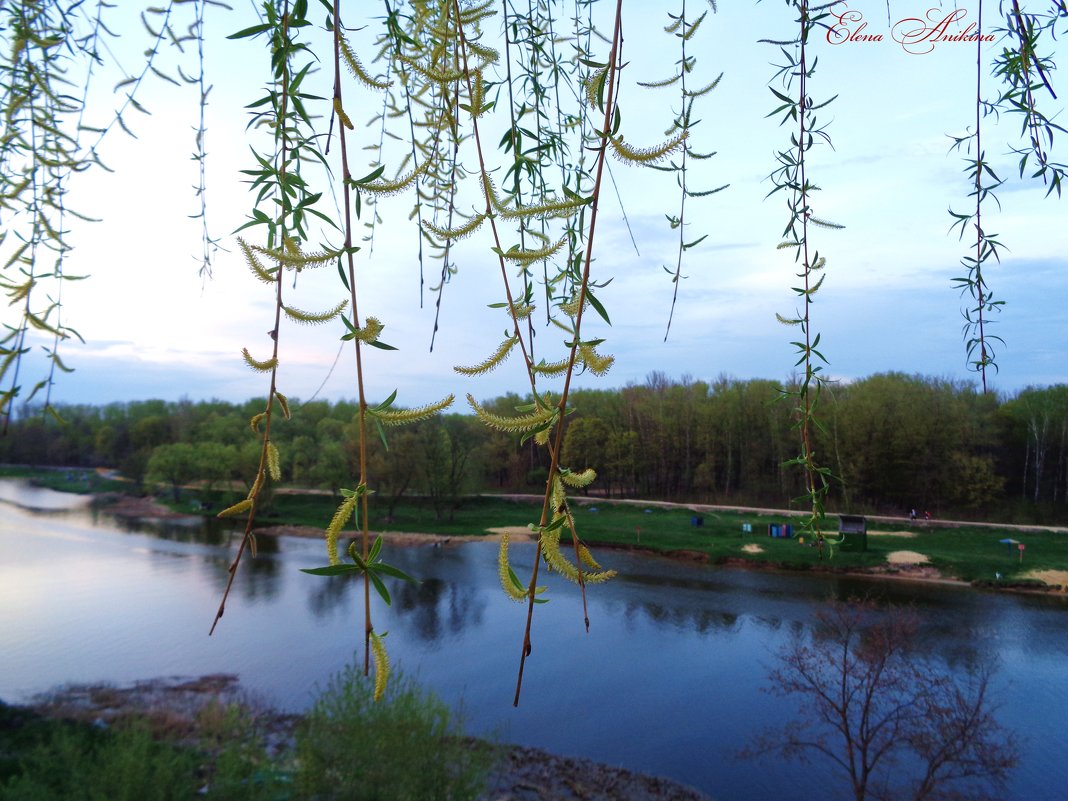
[(513, 532), (892, 534), (752, 548), (906, 558), (1055, 578)]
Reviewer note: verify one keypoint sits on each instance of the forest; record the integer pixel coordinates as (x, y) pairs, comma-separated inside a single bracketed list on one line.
[(894, 441)]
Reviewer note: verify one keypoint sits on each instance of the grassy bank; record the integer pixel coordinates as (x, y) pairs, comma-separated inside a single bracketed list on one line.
[(971, 553), (968, 553)]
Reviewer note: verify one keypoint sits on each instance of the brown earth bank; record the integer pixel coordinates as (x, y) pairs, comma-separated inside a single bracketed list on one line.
[(176, 707), (137, 507)]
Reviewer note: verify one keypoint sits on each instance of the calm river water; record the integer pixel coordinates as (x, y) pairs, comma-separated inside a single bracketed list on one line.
[(671, 679)]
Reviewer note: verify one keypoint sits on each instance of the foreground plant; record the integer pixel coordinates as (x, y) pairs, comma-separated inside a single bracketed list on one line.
[(792, 178), (354, 746)]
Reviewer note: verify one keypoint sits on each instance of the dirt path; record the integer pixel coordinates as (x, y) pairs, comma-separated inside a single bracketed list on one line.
[(705, 507)]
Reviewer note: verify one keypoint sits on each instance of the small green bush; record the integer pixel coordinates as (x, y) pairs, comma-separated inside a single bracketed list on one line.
[(406, 747), (73, 762)]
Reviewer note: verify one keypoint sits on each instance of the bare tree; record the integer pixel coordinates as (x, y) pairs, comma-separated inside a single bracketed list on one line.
[(894, 723)]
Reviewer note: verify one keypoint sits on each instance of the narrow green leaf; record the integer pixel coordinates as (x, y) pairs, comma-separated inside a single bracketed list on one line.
[(331, 570)]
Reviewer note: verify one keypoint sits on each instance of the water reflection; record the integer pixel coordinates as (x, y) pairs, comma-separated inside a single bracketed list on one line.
[(668, 680), (436, 608)]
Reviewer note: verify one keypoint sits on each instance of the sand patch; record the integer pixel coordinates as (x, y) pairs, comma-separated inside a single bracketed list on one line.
[(906, 558), (1055, 578), (515, 533), (906, 534), (752, 548)]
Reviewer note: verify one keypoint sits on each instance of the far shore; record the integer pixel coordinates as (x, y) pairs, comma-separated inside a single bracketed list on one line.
[(910, 567)]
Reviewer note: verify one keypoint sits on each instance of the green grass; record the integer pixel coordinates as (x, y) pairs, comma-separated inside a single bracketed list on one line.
[(968, 553), (60, 761), (81, 480)]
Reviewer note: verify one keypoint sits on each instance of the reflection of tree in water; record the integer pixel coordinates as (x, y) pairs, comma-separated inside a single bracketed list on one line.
[(434, 607), (259, 578), (683, 617), (885, 717), (194, 530), (327, 595)]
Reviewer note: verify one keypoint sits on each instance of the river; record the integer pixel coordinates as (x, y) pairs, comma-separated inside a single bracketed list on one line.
[(672, 678)]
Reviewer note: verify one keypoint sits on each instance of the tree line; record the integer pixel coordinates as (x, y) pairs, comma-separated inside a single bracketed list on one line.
[(894, 442)]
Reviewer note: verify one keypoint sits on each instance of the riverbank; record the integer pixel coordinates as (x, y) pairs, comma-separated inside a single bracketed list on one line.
[(188, 713), (886, 558)]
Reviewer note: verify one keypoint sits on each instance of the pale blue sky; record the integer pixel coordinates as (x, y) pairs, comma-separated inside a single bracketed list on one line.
[(153, 329)]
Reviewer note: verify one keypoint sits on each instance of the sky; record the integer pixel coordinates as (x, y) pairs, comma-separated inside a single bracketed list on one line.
[(153, 328)]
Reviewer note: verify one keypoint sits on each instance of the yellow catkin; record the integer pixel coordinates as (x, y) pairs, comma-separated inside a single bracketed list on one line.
[(459, 232), (371, 329), (387, 188), (532, 256), (399, 417), (558, 496), (259, 366), (341, 115), (595, 362), (516, 425), (256, 485), (313, 318), (254, 264), (337, 522), (273, 463), (493, 361), (551, 368), (283, 402), (646, 155), (381, 658), (550, 549), (587, 558), (357, 69), (237, 508), (517, 594), (579, 480)]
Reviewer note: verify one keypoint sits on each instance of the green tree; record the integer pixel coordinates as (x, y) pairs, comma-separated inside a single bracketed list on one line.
[(176, 464)]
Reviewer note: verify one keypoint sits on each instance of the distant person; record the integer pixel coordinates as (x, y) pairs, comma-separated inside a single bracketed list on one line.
[(912, 515), (926, 515)]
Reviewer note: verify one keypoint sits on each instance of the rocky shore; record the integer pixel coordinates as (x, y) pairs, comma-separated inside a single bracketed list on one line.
[(174, 707)]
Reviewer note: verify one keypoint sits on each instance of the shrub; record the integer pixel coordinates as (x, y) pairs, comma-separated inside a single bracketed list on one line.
[(406, 747), (73, 762)]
